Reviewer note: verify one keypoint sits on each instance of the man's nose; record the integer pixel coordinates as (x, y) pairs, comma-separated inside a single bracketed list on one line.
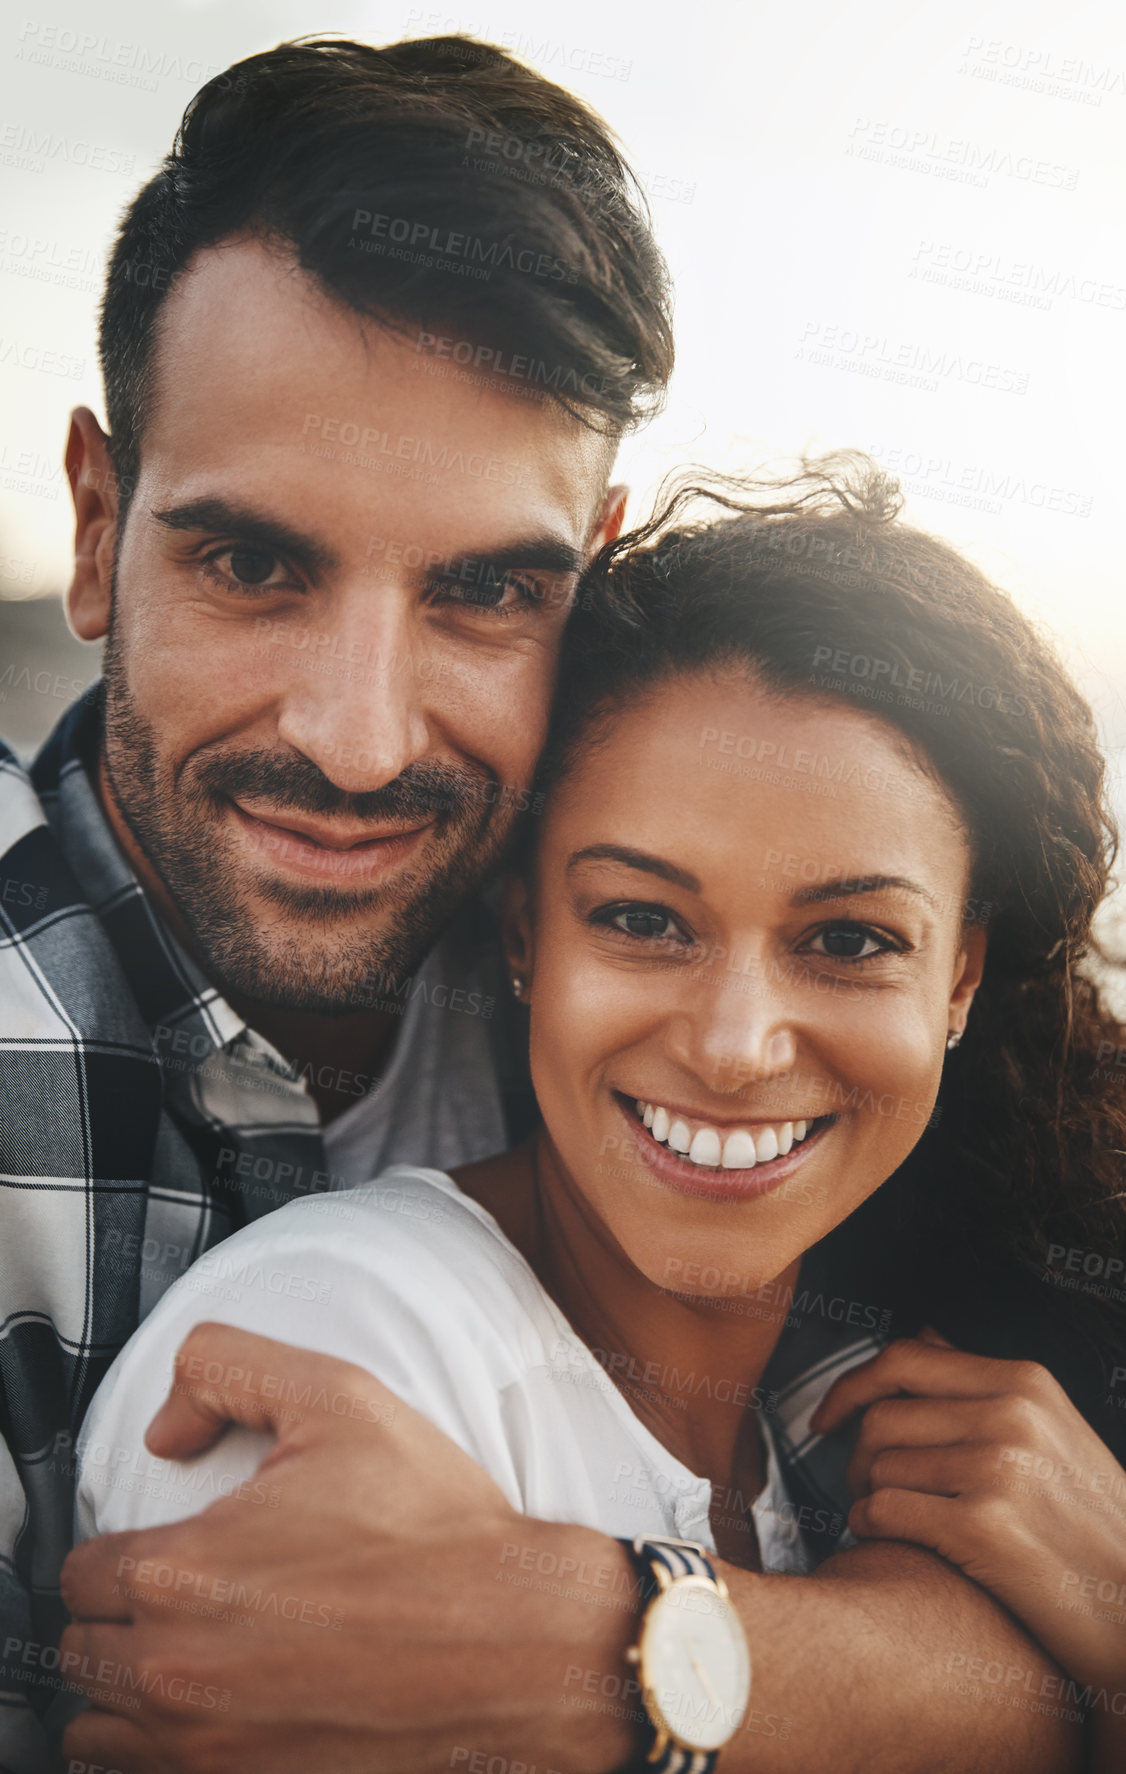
[(733, 1031), (355, 702)]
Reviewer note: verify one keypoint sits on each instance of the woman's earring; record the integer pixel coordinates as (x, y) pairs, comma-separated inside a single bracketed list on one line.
[(517, 985), (952, 1041)]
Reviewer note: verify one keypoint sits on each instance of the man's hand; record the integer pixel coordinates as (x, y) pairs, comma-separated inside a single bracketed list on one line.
[(394, 1615), (363, 1623)]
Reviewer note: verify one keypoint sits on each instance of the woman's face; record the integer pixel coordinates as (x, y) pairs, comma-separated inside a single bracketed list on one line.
[(747, 917)]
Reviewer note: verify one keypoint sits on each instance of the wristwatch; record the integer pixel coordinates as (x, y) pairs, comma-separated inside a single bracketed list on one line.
[(691, 1656)]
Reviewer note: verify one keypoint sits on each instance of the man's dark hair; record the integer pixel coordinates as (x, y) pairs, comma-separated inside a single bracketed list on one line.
[(438, 186)]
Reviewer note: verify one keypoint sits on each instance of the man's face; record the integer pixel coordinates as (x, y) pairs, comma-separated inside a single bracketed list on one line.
[(339, 593)]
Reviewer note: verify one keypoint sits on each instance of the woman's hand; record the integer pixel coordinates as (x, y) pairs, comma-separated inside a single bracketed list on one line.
[(990, 1464)]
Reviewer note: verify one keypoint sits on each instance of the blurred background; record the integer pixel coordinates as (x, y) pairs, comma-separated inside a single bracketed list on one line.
[(892, 227)]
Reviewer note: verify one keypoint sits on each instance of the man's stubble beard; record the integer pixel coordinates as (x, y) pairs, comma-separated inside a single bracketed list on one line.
[(176, 825)]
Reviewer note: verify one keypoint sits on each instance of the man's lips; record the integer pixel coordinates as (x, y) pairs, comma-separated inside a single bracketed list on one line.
[(326, 850)]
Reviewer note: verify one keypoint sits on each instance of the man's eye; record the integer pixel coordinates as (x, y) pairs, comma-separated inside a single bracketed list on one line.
[(850, 942), (246, 569), (494, 592), (250, 566)]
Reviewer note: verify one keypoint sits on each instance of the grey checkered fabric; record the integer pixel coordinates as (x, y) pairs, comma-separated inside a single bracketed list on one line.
[(141, 1121)]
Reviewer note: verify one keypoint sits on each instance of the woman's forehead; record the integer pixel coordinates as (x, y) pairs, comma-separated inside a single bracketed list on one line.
[(720, 766)]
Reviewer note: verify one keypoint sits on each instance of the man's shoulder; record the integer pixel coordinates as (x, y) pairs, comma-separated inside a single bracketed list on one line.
[(21, 810), (38, 887), (73, 1044)]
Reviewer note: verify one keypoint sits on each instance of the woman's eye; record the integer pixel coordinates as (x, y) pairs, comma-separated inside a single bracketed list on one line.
[(648, 923), (850, 942)]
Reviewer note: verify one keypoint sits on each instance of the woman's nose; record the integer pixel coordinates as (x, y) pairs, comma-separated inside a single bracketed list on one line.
[(731, 1038)]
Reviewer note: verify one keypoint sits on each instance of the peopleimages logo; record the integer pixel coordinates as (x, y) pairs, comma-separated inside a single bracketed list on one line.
[(919, 683), (488, 255)]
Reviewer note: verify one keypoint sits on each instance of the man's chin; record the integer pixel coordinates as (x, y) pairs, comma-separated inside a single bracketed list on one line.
[(317, 950), (315, 983)]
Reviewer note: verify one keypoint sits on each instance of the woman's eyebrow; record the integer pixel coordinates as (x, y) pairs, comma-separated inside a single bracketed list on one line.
[(848, 886), (635, 859)]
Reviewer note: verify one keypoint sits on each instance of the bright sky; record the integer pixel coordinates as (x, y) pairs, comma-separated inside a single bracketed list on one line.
[(895, 226)]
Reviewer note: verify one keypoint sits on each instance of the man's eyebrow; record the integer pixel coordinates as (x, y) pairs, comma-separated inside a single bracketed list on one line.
[(848, 886), (549, 553), (635, 859), (250, 526)]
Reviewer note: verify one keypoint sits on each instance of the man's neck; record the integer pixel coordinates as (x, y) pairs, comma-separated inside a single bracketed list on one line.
[(340, 1057)]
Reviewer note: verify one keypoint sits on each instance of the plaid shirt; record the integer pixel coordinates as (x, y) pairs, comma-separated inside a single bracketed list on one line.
[(141, 1121)]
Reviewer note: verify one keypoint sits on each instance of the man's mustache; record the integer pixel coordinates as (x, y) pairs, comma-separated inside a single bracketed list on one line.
[(421, 791)]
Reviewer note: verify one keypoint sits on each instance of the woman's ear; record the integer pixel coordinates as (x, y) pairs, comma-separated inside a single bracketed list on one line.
[(967, 976), (516, 931)]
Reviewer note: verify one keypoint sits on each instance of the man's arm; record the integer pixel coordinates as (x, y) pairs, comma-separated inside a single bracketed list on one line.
[(393, 1613)]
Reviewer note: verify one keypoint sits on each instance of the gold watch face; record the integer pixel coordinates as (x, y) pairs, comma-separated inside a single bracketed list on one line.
[(695, 1666)]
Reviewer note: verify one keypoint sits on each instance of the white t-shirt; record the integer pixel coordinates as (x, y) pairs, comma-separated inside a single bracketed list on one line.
[(412, 1280)]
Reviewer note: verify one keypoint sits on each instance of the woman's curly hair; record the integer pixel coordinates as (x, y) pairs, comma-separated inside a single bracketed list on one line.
[(816, 585)]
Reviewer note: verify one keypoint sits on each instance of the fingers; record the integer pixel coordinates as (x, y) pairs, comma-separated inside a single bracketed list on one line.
[(915, 1367), (225, 1375), (100, 1657), (893, 1514), (928, 1334), (120, 1578), (924, 1423), (942, 1472), (92, 1584), (97, 1739)]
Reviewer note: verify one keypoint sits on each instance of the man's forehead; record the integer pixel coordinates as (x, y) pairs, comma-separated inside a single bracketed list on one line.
[(260, 371)]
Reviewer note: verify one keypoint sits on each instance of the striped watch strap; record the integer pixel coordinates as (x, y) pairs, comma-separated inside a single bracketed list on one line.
[(680, 1558)]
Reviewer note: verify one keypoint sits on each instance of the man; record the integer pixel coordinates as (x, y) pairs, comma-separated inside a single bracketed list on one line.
[(333, 565), (332, 538)]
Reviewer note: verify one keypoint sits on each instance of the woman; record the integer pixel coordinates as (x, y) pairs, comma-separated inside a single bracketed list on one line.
[(799, 932)]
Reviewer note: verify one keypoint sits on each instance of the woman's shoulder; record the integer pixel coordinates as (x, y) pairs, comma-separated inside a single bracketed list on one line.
[(403, 1276), (405, 1268), (406, 1248)]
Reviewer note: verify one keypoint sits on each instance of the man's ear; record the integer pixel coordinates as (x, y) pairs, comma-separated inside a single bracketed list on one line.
[(611, 517), (967, 978), (516, 932), (94, 492)]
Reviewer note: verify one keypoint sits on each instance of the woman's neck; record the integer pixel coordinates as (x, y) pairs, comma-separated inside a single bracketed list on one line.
[(689, 1369)]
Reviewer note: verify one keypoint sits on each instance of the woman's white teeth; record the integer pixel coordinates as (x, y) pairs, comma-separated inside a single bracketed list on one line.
[(766, 1145), (705, 1147), (679, 1137), (739, 1151)]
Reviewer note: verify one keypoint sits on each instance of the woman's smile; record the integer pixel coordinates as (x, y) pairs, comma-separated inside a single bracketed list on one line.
[(723, 1162)]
